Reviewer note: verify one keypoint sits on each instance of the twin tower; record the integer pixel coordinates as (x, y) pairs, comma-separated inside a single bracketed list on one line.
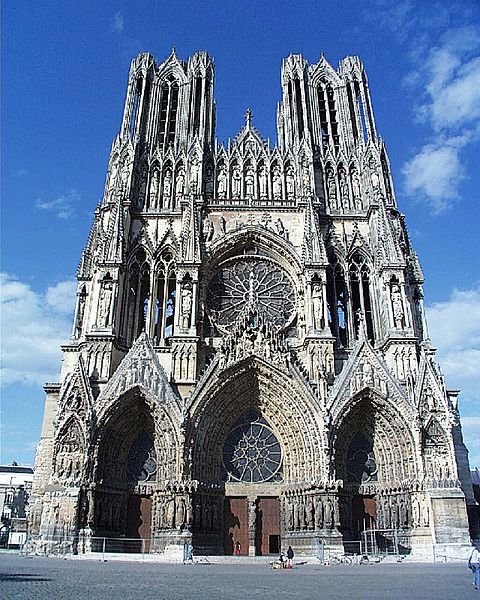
[(249, 364)]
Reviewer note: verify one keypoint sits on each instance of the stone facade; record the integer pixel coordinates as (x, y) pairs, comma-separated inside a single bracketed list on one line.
[(249, 360)]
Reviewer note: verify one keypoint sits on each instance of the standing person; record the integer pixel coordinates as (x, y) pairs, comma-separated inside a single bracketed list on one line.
[(236, 548), (290, 555), (474, 565)]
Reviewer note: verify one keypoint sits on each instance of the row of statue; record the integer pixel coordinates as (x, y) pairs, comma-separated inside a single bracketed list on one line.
[(401, 511), (310, 513), (110, 512)]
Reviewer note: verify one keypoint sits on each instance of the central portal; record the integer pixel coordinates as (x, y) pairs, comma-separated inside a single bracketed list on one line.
[(264, 536)]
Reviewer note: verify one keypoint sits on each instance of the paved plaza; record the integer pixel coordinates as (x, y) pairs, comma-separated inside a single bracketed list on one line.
[(41, 578)]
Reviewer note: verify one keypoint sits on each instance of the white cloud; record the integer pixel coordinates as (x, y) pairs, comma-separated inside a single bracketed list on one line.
[(450, 104), (454, 328), (63, 206), (33, 326), (435, 173), (117, 23)]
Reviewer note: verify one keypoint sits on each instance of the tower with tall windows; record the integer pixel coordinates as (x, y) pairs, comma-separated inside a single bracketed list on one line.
[(250, 365)]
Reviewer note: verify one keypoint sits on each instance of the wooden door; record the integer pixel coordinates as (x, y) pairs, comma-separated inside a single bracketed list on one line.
[(139, 522), (236, 525), (268, 526), (364, 513)]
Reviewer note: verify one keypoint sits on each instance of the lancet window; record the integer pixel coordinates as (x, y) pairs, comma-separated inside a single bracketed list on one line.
[(168, 113), (165, 296), (337, 300), (351, 109), (359, 273), (138, 295), (328, 115)]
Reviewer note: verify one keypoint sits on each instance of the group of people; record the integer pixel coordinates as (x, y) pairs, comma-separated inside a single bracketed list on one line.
[(285, 562)]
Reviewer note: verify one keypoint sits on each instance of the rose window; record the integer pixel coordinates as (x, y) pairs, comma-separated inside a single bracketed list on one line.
[(250, 281), (252, 452)]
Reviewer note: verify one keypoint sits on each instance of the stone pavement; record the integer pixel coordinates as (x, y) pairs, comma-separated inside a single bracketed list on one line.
[(41, 578)]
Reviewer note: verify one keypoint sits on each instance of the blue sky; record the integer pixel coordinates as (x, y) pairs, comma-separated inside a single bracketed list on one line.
[(65, 68)]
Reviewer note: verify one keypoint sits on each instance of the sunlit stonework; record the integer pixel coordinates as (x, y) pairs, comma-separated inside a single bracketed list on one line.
[(249, 358)]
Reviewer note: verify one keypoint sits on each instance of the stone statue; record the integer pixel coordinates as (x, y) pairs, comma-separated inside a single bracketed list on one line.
[(263, 182), (222, 224), (104, 305), (180, 513), (374, 174), (318, 514), (397, 306), (317, 306), (328, 514), (430, 399), (236, 182), (249, 183), (208, 229), (280, 228), (344, 190), (167, 187), (81, 311), (154, 186), (194, 173), (356, 189), (331, 190), (310, 513), (290, 183), (186, 305), (291, 522), (277, 183), (307, 188), (222, 183), (180, 184)]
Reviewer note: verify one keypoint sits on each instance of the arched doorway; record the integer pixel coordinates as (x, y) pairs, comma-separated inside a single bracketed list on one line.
[(375, 457), (126, 472)]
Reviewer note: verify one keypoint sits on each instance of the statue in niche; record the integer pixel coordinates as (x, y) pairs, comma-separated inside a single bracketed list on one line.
[(170, 513), (318, 514), (356, 189), (317, 306), (180, 184), (344, 190), (249, 183), (415, 512), (194, 173), (331, 190), (252, 514), (167, 187), (328, 514), (310, 509), (306, 181), (262, 180), (104, 305), (277, 183), (425, 513), (154, 187), (209, 182), (81, 311), (374, 174), (186, 305), (222, 183), (142, 188), (290, 523), (236, 182), (208, 229), (180, 512), (397, 306), (290, 183), (430, 399)]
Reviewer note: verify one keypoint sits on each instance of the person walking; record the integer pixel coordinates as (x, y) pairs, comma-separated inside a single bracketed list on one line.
[(290, 555), (474, 565)]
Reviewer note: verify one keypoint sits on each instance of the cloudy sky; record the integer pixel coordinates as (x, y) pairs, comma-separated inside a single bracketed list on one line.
[(65, 68)]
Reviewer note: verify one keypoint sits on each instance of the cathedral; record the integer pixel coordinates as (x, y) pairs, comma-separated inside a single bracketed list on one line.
[(249, 365)]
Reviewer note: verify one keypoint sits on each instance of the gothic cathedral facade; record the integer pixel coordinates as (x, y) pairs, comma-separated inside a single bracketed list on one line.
[(250, 365)]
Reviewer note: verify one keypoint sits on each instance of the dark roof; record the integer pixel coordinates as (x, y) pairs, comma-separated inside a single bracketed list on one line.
[(15, 469)]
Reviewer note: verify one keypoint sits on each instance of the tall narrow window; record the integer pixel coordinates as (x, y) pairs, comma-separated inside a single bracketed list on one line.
[(163, 112), (322, 105), (198, 105), (299, 107), (360, 291), (351, 109), (136, 102), (172, 121), (137, 304), (367, 102), (337, 303), (332, 113), (361, 110), (386, 174), (168, 113), (290, 102)]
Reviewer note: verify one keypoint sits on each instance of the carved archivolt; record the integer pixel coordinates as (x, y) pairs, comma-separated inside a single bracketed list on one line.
[(293, 418)]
